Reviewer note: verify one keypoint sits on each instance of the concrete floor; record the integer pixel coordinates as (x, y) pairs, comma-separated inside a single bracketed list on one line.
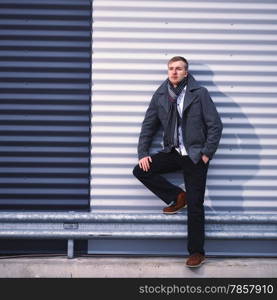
[(135, 267)]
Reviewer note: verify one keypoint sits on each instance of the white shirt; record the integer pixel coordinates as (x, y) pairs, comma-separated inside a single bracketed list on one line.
[(180, 105)]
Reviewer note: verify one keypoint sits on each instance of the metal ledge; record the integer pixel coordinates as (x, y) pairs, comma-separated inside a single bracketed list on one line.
[(72, 217), (70, 234), (72, 226)]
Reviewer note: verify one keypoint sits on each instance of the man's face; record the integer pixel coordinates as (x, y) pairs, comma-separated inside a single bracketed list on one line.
[(177, 72)]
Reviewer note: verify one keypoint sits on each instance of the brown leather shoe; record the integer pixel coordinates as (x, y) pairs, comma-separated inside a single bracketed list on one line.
[(181, 202), (195, 260)]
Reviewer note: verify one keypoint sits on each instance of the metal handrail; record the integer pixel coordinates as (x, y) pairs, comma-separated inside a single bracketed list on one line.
[(82, 225)]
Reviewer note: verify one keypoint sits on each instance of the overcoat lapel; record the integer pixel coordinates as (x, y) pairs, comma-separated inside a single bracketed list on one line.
[(190, 96), (163, 96)]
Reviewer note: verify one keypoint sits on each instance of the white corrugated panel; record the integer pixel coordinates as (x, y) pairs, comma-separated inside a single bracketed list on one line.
[(231, 47)]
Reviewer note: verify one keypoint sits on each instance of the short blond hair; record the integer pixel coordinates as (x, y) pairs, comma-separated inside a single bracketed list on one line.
[(179, 58)]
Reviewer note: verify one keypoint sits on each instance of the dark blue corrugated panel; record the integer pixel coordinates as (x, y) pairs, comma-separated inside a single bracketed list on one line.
[(45, 104)]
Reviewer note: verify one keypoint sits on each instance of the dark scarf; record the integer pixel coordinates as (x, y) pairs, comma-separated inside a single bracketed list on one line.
[(171, 130)]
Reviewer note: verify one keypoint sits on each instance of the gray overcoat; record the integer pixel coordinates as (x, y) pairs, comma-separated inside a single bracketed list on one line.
[(201, 124)]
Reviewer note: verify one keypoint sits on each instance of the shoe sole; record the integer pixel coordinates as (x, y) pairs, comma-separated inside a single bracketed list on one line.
[(202, 262), (174, 212)]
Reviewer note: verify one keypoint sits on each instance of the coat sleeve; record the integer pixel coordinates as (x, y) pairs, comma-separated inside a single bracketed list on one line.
[(213, 124), (150, 125)]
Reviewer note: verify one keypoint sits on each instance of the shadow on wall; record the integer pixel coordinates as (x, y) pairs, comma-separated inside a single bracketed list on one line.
[(232, 167)]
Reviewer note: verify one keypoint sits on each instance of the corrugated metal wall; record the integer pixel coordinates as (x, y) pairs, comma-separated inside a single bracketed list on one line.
[(45, 102), (231, 47)]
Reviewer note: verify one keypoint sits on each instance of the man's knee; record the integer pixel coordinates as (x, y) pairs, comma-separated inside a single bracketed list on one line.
[(140, 174), (137, 171)]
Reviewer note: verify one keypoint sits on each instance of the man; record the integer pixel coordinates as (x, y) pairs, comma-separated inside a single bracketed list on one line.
[(192, 130)]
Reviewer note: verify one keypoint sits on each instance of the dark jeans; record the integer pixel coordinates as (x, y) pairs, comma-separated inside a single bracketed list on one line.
[(195, 182)]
